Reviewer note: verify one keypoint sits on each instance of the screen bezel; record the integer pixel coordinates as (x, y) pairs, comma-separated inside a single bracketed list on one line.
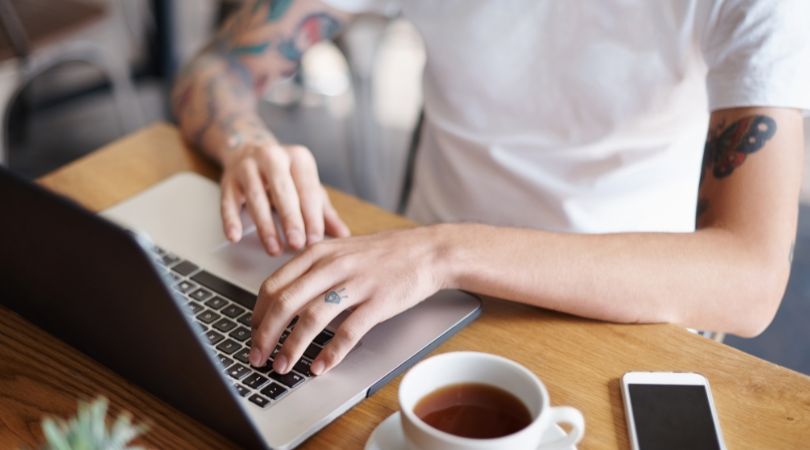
[(665, 378)]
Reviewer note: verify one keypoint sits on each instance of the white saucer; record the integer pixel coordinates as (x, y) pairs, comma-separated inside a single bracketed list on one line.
[(388, 435)]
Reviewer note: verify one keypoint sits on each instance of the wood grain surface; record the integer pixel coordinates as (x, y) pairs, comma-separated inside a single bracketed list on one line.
[(761, 405)]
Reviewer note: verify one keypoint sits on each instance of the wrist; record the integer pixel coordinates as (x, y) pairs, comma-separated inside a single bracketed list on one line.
[(450, 254), (238, 132)]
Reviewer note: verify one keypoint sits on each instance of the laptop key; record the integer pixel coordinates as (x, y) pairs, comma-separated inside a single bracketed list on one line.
[(213, 337), (238, 371), (194, 306), (229, 346), (225, 289), (324, 337), (254, 380), (240, 334), (224, 325), (225, 361), (289, 379), (216, 302), (302, 367), (201, 294), (241, 390), (232, 311), (312, 351), (274, 391), (185, 268), (207, 316), (167, 259), (245, 320), (185, 286), (258, 400), (242, 355)]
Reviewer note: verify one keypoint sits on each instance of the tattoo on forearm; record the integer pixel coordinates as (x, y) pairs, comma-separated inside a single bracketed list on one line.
[(212, 97), (312, 28), (727, 147)]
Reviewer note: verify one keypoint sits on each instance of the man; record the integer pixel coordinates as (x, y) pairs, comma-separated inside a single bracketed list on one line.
[(574, 133)]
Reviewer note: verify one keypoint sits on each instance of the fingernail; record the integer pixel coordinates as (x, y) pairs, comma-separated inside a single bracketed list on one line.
[(280, 364), (232, 234), (272, 246), (317, 367), (313, 238), (295, 238), (255, 357)]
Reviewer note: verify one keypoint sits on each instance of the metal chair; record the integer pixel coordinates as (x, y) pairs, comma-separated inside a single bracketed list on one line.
[(39, 36)]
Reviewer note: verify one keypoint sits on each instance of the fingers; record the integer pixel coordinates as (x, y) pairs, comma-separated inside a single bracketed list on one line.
[(258, 205), (334, 225), (285, 179), (281, 278), (230, 204), (279, 309), (305, 175), (276, 166), (347, 336), (311, 320)]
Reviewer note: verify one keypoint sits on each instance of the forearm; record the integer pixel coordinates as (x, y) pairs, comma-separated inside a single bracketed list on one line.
[(708, 279), (215, 97), (215, 104)]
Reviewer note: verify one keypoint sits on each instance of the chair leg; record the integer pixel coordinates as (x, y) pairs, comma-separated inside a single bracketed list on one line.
[(9, 85)]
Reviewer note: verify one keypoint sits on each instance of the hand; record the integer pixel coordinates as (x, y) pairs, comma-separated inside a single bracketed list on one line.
[(378, 276), (265, 175)]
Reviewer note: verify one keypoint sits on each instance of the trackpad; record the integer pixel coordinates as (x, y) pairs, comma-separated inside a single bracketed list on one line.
[(245, 263)]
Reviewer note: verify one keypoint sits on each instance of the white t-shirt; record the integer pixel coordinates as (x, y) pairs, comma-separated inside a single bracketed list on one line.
[(588, 116)]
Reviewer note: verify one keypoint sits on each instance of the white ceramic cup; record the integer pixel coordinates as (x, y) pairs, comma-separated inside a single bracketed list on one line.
[(473, 367)]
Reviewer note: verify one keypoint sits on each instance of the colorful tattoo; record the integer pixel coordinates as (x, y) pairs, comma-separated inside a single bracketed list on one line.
[(727, 149), (276, 9), (313, 28)]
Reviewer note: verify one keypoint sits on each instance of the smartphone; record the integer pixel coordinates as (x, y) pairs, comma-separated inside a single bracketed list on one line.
[(670, 410)]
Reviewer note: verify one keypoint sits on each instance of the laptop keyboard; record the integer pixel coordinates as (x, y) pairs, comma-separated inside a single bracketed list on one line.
[(223, 312)]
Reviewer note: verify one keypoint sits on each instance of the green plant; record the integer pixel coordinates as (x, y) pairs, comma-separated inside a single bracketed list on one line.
[(89, 431)]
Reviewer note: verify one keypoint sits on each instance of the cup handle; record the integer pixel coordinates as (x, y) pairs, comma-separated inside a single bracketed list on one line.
[(571, 416)]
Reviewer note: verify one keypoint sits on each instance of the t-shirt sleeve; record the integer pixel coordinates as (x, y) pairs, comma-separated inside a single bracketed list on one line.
[(758, 54), (384, 7)]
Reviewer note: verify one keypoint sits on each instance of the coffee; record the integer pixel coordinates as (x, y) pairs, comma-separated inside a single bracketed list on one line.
[(473, 410)]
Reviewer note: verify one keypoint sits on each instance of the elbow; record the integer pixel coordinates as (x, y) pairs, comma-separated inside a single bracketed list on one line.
[(766, 288)]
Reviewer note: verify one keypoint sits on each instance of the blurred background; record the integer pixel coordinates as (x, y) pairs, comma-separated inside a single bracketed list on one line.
[(77, 74)]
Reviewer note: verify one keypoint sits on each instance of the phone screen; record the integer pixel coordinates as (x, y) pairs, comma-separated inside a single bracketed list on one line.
[(672, 417)]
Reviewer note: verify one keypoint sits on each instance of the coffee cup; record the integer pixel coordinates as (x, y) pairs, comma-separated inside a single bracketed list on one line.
[(451, 370)]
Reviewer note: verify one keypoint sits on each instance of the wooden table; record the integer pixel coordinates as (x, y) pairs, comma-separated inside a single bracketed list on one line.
[(761, 405)]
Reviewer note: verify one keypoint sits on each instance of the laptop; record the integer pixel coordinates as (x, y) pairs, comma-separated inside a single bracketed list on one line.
[(152, 289)]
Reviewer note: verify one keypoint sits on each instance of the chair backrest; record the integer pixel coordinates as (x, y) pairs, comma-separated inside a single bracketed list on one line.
[(14, 31), (28, 25)]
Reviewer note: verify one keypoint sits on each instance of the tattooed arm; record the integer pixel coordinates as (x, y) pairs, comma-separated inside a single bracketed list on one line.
[(215, 99), (729, 275)]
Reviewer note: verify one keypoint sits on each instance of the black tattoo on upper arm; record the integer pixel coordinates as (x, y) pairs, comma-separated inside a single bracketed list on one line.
[(728, 146)]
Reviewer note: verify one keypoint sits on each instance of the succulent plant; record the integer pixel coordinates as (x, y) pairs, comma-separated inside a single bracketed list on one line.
[(89, 431)]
